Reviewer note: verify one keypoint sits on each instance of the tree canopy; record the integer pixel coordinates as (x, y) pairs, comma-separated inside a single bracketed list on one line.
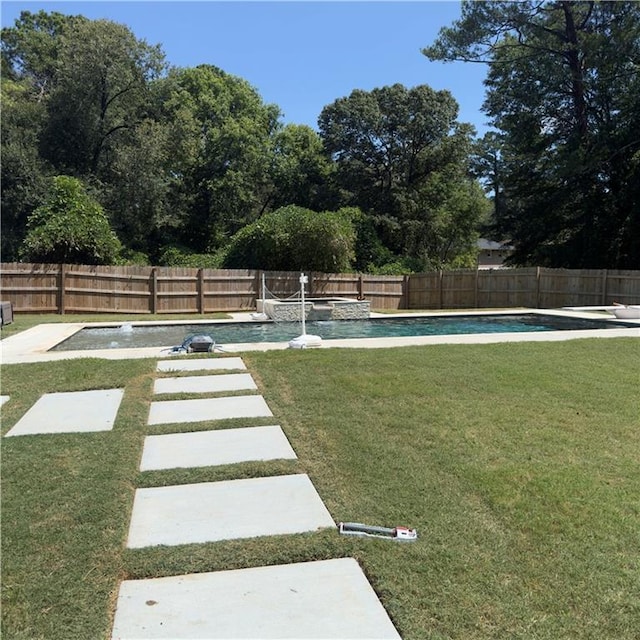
[(225, 134), (403, 158), (188, 164), (563, 91)]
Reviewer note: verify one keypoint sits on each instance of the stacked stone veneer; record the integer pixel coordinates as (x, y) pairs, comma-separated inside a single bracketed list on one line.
[(318, 310), (350, 310)]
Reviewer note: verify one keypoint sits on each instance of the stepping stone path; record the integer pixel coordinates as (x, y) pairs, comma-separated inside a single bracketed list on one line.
[(324, 599), (219, 364), (208, 448), (210, 511), (70, 412), (201, 410), (205, 384)]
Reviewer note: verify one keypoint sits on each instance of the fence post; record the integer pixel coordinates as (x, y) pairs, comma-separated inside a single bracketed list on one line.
[(605, 283), (475, 291), (62, 283), (360, 288), (153, 284), (489, 287), (258, 289), (440, 278), (537, 287), (405, 291), (200, 286)]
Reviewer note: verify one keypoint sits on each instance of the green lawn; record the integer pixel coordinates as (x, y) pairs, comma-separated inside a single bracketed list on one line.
[(519, 464)]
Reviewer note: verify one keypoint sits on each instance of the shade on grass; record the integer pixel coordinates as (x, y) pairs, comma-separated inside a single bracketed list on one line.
[(517, 463)]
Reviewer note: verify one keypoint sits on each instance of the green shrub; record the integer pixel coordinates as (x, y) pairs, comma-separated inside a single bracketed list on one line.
[(295, 239), (70, 228), (134, 258), (178, 257)]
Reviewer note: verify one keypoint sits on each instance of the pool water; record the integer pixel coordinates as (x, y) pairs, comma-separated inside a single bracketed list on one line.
[(128, 336)]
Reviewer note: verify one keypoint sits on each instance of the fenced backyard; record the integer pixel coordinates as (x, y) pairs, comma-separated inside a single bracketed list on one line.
[(68, 289)]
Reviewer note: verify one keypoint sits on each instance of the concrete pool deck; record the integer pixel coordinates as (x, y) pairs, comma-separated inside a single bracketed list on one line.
[(33, 344)]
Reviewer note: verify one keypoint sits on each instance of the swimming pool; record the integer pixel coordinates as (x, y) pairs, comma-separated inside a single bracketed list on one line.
[(127, 336)]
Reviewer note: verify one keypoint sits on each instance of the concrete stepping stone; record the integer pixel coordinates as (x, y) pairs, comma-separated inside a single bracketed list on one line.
[(321, 599), (3, 399), (201, 409), (227, 510), (213, 364), (205, 384), (208, 448), (70, 412)]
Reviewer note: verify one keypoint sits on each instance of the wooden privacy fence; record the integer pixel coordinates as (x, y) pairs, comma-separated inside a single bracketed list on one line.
[(52, 288), (534, 287)]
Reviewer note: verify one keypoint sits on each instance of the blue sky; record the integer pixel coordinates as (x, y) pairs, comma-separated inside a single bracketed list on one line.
[(299, 55)]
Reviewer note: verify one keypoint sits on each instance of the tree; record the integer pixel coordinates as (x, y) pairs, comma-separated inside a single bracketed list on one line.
[(225, 152), (486, 165), (81, 103), (402, 156), (301, 170), (295, 239), (30, 49), (99, 96), (564, 91), (29, 58), (70, 227), (136, 188), (24, 181)]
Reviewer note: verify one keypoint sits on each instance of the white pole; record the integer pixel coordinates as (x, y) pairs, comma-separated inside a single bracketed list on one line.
[(304, 341), (303, 281)]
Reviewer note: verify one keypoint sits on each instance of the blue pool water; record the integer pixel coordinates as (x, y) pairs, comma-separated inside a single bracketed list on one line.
[(163, 335)]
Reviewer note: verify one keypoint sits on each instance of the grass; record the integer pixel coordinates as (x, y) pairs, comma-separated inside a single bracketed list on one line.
[(65, 502), (517, 463)]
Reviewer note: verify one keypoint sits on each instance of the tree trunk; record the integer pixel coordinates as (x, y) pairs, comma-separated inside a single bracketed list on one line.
[(572, 55)]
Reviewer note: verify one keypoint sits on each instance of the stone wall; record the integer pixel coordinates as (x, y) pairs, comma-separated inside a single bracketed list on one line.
[(334, 310), (359, 310), (285, 312)]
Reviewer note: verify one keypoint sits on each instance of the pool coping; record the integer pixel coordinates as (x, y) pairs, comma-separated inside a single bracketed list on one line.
[(32, 345)]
